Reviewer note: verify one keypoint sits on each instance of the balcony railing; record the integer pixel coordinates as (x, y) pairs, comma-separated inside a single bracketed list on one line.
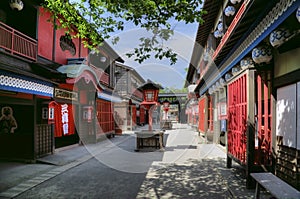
[(136, 92), (17, 43), (103, 76)]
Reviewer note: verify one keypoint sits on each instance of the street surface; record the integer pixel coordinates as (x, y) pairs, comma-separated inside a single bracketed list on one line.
[(187, 168)]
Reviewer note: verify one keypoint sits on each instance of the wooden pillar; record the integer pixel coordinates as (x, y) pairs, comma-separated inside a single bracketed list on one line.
[(150, 118)]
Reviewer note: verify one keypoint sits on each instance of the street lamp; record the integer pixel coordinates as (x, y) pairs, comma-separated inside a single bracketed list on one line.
[(150, 97), (166, 105)]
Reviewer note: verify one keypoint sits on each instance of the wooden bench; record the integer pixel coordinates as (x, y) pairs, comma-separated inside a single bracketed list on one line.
[(277, 187)]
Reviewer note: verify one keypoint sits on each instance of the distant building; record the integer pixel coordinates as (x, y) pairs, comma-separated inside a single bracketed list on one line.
[(129, 110)]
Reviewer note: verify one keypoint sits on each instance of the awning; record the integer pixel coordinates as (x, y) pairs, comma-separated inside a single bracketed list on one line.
[(77, 71), (19, 83), (109, 97)]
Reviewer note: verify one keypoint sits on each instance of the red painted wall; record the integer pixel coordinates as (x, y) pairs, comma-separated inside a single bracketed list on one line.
[(202, 118), (46, 37), (45, 34), (60, 55)]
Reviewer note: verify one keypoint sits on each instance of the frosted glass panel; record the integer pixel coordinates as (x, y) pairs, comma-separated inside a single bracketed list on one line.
[(286, 115)]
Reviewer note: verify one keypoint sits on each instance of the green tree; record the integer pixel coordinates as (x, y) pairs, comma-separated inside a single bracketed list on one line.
[(95, 20), (173, 90)]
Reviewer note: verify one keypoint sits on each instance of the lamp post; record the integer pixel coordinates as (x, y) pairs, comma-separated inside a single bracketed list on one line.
[(166, 105), (150, 98)]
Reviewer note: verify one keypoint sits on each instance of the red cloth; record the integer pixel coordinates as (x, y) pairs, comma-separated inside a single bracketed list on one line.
[(64, 120)]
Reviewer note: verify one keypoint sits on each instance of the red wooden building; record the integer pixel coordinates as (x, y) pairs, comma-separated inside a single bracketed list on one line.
[(245, 58), (51, 86)]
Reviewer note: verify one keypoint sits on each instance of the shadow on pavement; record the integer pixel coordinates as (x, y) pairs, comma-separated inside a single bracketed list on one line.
[(195, 179)]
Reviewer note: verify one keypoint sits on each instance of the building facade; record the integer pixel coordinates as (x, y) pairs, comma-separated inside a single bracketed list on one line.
[(246, 72), (129, 112), (54, 91)]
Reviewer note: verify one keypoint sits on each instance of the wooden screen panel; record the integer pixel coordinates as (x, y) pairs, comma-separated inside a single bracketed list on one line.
[(237, 118)]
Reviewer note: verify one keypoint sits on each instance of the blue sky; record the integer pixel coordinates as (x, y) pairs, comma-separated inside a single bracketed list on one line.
[(160, 71)]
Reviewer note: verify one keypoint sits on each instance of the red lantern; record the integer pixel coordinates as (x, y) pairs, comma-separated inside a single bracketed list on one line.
[(150, 94), (166, 105)]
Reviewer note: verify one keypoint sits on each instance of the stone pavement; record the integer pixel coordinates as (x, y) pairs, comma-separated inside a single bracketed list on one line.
[(189, 168)]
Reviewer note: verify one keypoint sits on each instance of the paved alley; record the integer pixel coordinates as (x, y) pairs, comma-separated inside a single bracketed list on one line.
[(187, 168)]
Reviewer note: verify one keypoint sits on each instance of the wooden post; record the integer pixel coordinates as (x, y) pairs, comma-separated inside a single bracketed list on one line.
[(150, 118)]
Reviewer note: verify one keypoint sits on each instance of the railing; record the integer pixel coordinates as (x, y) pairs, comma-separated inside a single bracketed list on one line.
[(136, 93), (17, 43), (103, 76)]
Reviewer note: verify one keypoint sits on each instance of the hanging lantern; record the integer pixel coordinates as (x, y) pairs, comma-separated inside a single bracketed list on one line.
[(262, 54), (279, 36), (220, 27), (228, 76), (214, 88), (229, 11), (235, 70), (298, 14), (222, 82), (16, 4), (246, 62), (235, 1), (210, 91), (218, 34)]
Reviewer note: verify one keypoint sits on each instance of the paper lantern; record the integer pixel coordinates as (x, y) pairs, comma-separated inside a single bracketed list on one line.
[(246, 62), (220, 27), (222, 82), (16, 4), (262, 54), (235, 70), (235, 1), (218, 34), (229, 11), (228, 76), (279, 36)]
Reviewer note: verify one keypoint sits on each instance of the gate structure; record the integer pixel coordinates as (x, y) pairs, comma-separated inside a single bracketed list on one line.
[(249, 121)]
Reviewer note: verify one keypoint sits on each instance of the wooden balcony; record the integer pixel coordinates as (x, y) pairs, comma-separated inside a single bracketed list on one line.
[(136, 93), (17, 43), (103, 76)]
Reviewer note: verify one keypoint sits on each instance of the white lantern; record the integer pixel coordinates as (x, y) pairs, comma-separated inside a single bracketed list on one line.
[(298, 14), (229, 11), (218, 34), (279, 36), (214, 88), (222, 82), (228, 76), (16, 4), (220, 27), (210, 91), (262, 54), (235, 1), (235, 70), (246, 62)]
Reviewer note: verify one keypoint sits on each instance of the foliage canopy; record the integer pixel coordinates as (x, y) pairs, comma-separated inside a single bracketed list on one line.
[(95, 20)]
